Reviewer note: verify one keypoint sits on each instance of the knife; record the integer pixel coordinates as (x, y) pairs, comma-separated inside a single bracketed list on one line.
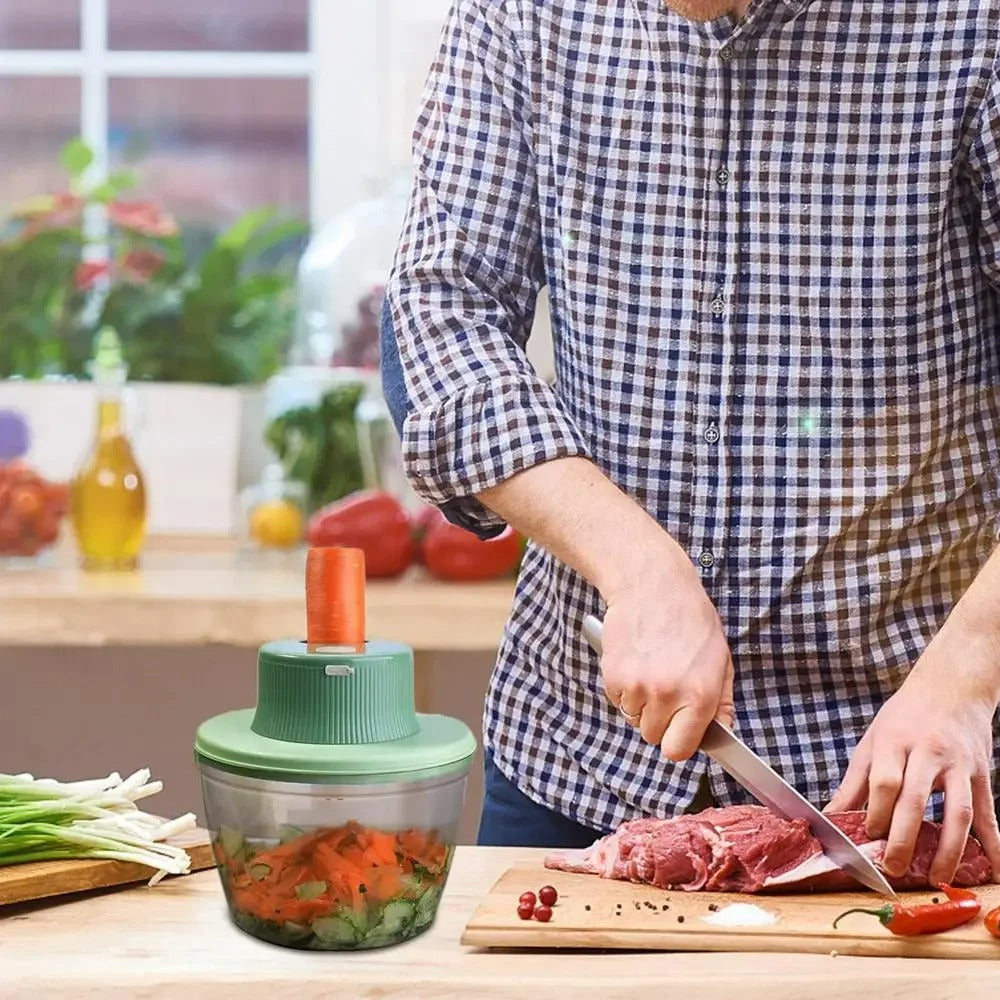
[(771, 790)]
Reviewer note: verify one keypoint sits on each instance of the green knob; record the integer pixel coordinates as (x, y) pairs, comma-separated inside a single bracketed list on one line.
[(335, 697)]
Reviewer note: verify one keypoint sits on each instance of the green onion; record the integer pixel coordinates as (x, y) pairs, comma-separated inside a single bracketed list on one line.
[(44, 820)]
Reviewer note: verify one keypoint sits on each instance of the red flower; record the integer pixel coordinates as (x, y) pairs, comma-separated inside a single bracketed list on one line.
[(142, 217), (141, 265), (89, 272)]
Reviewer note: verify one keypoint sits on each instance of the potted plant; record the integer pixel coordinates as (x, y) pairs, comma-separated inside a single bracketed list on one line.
[(199, 329)]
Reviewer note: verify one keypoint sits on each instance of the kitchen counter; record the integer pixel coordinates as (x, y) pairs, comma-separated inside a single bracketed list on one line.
[(175, 941), (204, 591)]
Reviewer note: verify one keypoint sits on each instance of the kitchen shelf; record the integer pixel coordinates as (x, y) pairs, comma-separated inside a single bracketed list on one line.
[(200, 591)]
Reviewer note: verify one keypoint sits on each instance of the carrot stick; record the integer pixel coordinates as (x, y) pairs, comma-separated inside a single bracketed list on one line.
[(335, 597)]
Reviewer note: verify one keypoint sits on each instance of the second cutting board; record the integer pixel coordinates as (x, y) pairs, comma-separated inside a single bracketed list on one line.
[(45, 879), (601, 914)]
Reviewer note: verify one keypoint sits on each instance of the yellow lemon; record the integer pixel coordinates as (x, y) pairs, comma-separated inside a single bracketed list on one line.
[(277, 524)]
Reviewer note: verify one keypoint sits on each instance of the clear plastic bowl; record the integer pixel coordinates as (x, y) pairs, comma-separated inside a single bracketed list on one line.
[(332, 867)]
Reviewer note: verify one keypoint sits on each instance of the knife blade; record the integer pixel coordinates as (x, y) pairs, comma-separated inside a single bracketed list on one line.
[(771, 790)]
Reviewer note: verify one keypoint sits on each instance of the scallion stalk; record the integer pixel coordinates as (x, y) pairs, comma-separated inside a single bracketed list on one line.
[(44, 820)]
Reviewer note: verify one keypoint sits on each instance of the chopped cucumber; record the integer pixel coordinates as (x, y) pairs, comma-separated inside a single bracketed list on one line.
[(289, 833), (359, 918), (308, 890), (427, 906), (232, 842), (259, 871), (335, 931), (397, 916)]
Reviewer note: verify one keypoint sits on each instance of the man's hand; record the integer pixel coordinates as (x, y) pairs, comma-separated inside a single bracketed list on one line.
[(666, 662), (934, 734)]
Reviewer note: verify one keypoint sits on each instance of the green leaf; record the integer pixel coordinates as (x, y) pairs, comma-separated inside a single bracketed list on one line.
[(239, 234), (76, 156), (107, 191), (280, 232)]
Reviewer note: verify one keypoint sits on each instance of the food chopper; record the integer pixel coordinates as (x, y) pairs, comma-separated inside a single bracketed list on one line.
[(333, 805)]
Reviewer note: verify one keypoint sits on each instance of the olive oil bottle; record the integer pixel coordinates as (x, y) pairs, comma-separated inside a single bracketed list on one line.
[(108, 495)]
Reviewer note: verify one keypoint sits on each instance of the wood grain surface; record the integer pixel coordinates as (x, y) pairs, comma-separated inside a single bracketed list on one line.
[(47, 879), (176, 941), (623, 916), (193, 593)]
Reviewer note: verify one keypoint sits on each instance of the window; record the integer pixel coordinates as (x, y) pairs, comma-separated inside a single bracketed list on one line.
[(209, 103)]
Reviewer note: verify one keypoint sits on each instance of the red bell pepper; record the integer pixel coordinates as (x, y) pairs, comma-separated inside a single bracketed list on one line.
[(372, 521), (451, 553), (419, 523)]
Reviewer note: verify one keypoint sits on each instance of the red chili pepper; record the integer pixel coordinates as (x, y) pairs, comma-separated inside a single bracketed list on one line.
[(454, 554), (906, 921), (992, 921), (372, 521)]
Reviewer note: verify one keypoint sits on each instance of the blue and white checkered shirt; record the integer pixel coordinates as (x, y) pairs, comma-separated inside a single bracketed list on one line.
[(773, 255)]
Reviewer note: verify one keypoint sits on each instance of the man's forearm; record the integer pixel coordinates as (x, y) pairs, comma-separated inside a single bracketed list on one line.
[(573, 510), (967, 648)]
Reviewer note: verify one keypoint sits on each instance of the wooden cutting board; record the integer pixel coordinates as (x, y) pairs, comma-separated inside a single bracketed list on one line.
[(44, 879), (622, 916)]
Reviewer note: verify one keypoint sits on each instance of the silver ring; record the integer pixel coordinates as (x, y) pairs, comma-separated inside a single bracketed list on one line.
[(631, 719)]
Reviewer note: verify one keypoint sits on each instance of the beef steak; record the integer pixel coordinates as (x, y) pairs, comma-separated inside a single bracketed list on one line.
[(749, 849)]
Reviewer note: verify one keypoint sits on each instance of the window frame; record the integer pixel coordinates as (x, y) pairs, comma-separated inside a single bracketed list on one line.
[(94, 64)]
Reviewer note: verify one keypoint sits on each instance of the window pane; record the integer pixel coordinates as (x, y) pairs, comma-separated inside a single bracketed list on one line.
[(211, 149), (49, 24), (38, 116), (215, 25)]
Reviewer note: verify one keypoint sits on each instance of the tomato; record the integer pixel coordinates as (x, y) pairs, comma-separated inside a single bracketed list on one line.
[(992, 921), (543, 914), (47, 527), (10, 532), (31, 510), (528, 899), (27, 501), (525, 911), (451, 553)]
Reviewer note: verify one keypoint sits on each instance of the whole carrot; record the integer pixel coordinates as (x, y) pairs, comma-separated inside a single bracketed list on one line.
[(906, 921)]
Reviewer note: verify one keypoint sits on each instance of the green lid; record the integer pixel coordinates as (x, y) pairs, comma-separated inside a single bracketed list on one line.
[(336, 715)]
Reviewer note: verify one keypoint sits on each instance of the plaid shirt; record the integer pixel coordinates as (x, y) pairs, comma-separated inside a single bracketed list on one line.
[(773, 252)]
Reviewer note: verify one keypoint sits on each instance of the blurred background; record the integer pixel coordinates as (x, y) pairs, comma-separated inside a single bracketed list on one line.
[(199, 205)]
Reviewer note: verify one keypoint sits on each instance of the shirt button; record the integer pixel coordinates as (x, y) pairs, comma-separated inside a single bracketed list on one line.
[(707, 559), (712, 434), (726, 53), (722, 176), (717, 305)]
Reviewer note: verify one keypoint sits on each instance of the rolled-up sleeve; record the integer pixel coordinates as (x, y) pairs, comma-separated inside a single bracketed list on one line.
[(460, 302), (984, 159)]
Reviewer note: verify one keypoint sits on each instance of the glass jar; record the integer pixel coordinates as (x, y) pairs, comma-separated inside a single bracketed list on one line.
[(341, 283)]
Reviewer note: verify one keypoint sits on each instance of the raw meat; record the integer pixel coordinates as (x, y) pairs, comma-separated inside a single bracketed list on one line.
[(749, 849)]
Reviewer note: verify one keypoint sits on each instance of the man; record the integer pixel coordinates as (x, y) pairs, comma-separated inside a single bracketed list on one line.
[(771, 236)]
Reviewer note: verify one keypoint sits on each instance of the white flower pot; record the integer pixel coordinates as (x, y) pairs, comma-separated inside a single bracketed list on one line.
[(187, 439)]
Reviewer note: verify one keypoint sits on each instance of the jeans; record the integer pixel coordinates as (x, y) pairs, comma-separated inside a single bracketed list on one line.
[(511, 819)]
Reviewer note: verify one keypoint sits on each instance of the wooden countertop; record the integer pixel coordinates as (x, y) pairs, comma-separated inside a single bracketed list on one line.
[(194, 592), (176, 941)]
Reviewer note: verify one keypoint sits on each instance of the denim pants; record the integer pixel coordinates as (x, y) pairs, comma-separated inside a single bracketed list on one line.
[(511, 819)]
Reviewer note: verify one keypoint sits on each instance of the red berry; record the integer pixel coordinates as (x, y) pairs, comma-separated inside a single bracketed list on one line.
[(527, 899), (547, 895), (526, 911), (543, 914)]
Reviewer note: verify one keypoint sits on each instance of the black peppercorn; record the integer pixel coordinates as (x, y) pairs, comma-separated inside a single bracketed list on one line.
[(680, 918)]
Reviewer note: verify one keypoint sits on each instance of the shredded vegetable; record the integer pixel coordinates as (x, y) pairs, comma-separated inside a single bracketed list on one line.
[(43, 820)]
